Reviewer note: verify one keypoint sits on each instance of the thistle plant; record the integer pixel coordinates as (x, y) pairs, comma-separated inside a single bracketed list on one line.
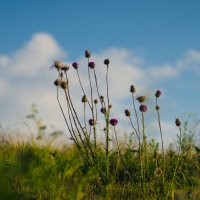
[(83, 129)]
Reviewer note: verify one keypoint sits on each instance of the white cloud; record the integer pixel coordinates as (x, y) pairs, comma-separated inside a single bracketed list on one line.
[(25, 79)]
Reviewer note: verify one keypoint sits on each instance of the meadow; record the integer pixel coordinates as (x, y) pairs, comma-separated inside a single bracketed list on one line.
[(133, 168)]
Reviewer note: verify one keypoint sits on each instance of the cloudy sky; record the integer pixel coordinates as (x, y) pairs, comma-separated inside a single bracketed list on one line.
[(151, 44)]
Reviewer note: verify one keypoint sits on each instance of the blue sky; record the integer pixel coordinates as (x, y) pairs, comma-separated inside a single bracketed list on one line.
[(157, 44)]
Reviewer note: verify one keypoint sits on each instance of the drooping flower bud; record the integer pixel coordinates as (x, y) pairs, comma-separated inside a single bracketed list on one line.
[(91, 65), (113, 122), (143, 108), (158, 93), (132, 89)]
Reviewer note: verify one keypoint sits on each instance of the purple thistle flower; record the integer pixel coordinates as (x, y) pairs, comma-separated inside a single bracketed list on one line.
[(113, 122), (75, 65), (158, 93), (143, 108), (91, 65), (177, 122)]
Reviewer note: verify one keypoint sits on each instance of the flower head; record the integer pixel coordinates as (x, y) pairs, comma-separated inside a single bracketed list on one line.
[(92, 122), (141, 99), (87, 53), (58, 64), (158, 93), (57, 82), (91, 65), (157, 107), (106, 61), (65, 67), (132, 89), (84, 99), (113, 122), (103, 110), (75, 65), (127, 113), (177, 122), (143, 108)]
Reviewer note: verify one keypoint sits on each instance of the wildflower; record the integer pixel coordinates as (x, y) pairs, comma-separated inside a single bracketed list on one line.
[(58, 64), (57, 82), (75, 65), (143, 108), (177, 122), (96, 101), (91, 65), (132, 89), (84, 99), (106, 61), (113, 122), (63, 84), (157, 107), (158, 93), (110, 106), (141, 99), (92, 122), (65, 67), (87, 53), (103, 110), (127, 113)]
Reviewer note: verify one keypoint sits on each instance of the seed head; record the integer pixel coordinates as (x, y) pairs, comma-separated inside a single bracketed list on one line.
[(96, 101), (63, 84), (132, 89), (65, 67), (75, 65), (57, 82), (91, 65), (177, 122), (84, 99), (158, 93), (58, 64), (127, 113), (110, 106), (106, 61), (113, 122), (143, 108), (87, 53), (157, 107), (91, 122), (141, 99)]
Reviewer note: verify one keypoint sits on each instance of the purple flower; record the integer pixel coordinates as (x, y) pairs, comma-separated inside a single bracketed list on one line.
[(177, 122), (158, 93), (75, 65), (113, 122), (91, 65), (143, 108)]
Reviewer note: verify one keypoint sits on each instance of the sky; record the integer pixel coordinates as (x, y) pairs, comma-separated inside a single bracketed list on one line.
[(151, 44)]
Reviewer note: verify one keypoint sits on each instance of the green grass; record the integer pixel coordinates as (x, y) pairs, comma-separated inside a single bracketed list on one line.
[(29, 171)]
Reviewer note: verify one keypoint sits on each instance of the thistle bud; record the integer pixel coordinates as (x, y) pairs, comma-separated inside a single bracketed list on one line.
[(132, 89), (143, 108), (63, 84), (158, 93), (57, 82), (157, 107), (58, 65), (110, 106), (113, 122), (91, 65), (91, 122), (87, 53), (103, 110), (96, 101), (84, 99), (177, 122), (65, 67), (102, 98), (127, 113), (141, 99), (75, 65), (106, 61)]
